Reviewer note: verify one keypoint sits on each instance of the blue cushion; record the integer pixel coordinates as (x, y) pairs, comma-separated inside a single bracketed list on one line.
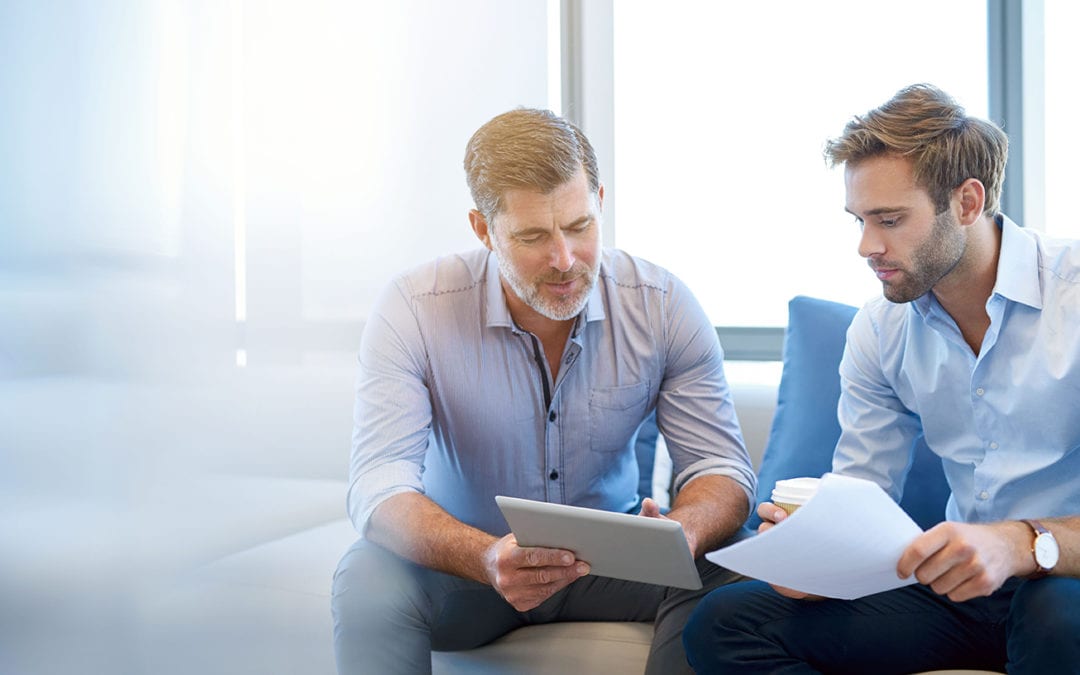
[(805, 429)]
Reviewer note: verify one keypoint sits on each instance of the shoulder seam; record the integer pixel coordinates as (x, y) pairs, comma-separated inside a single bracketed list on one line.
[(447, 291)]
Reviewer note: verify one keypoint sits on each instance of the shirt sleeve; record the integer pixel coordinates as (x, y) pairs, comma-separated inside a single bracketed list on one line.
[(877, 431), (694, 409), (392, 414)]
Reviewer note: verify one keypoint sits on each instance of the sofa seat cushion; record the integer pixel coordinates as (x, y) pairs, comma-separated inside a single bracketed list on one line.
[(555, 649), (262, 610), (210, 517)]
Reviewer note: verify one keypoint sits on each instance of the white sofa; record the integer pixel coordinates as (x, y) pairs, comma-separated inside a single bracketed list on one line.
[(218, 557)]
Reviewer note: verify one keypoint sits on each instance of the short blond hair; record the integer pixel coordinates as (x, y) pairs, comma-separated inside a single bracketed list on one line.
[(946, 145), (525, 148)]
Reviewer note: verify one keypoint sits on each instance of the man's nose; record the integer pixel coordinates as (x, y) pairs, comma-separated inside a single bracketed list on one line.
[(562, 258), (870, 243)]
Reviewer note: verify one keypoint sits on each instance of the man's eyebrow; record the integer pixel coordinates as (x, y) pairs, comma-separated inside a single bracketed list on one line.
[(537, 229), (880, 210), (580, 221)]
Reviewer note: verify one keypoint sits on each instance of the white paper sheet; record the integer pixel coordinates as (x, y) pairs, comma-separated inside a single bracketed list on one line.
[(843, 543)]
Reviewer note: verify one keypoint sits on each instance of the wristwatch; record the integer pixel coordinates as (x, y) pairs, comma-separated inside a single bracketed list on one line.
[(1044, 548)]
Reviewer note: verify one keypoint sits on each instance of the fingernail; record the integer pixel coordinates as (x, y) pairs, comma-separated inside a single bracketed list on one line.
[(582, 568), (567, 559)]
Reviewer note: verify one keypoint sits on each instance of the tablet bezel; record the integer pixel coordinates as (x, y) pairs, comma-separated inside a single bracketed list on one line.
[(619, 545)]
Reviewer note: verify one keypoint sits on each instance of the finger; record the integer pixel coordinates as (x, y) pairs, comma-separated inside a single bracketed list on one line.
[(544, 576), (957, 572), (770, 513), (918, 552), (976, 586), (524, 598), (536, 556)]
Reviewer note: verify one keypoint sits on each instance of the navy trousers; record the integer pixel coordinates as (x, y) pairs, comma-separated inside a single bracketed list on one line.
[(1025, 627)]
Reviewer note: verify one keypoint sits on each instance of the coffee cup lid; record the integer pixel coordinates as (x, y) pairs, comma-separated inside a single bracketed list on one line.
[(795, 490)]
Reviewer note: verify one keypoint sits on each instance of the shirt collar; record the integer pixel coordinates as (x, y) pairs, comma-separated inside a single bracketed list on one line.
[(1018, 265), (498, 313)]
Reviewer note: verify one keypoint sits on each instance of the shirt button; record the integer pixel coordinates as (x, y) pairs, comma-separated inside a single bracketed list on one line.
[(993, 445), (984, 495), (980, 391), (552, 416), (554, 475)]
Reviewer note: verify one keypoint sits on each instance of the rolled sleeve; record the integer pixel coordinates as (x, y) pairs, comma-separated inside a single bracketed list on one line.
[(392, 415), (385, 481), (694, 409)]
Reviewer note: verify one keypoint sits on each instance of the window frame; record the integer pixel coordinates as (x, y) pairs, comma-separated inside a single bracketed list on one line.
[(1016, 103)]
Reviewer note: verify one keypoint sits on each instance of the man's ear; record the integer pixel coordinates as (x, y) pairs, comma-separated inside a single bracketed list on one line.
[(480, 227), (600, 197), (971, 196)]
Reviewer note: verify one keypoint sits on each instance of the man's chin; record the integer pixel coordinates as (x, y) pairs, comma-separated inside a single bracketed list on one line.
[(560, 311), (899, 296)]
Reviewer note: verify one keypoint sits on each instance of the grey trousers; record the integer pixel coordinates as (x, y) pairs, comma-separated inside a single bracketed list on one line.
[(389, 613)]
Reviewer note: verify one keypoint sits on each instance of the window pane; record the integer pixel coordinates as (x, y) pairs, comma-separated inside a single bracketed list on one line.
[(1062, 141), (722, 110)]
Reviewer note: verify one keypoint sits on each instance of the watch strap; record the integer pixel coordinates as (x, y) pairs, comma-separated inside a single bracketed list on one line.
[(1040, 530)]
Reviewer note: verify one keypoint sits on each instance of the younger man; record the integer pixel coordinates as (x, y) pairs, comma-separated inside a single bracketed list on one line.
[(975, 346)]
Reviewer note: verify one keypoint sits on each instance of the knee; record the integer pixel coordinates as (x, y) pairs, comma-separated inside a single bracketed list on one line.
[(370, 586), (720, 623), (1045, 613), (709, 615)]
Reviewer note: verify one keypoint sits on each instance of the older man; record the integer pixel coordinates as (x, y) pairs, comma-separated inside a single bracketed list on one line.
[(525, 368)]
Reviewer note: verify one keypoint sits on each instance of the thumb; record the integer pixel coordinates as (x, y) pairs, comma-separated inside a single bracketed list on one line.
[(649, 508)]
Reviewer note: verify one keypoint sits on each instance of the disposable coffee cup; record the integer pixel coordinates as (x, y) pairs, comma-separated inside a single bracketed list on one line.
[(792, 493)]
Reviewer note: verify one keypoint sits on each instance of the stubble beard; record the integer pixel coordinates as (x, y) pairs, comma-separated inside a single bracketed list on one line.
[(931, 262), (557, 309)]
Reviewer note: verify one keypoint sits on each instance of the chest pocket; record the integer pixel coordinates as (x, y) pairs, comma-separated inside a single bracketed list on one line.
[(615, 414)]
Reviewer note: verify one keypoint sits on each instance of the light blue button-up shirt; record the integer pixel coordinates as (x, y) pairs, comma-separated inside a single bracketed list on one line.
[(457, 402), (1006, 422)]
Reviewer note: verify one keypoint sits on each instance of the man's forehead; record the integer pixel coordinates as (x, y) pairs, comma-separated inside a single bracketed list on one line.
[(879, 183), (565, 204)]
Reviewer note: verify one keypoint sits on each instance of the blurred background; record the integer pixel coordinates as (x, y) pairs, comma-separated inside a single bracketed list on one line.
[(199, 200)]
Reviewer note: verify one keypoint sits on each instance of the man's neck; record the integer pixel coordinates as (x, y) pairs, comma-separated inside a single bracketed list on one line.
[(552, 333), (964, 293)]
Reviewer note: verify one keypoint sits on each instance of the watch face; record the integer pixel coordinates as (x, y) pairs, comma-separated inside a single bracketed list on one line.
[(1046, 551)]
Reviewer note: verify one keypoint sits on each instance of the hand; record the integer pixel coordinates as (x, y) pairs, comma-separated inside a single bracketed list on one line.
[(770, 515), (650, 509), (965, 561), (527, 576)]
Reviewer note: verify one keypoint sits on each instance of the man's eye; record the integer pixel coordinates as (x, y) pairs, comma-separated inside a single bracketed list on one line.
[(889, 222)]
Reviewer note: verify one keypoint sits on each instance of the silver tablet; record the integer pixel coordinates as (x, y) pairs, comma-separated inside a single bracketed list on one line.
[(618, 545)]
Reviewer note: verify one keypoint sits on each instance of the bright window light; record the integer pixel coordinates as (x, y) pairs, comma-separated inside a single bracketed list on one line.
[(720, 125), (1062, 100)]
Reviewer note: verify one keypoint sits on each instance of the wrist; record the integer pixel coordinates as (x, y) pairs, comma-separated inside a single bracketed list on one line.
[(1020, 538)]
